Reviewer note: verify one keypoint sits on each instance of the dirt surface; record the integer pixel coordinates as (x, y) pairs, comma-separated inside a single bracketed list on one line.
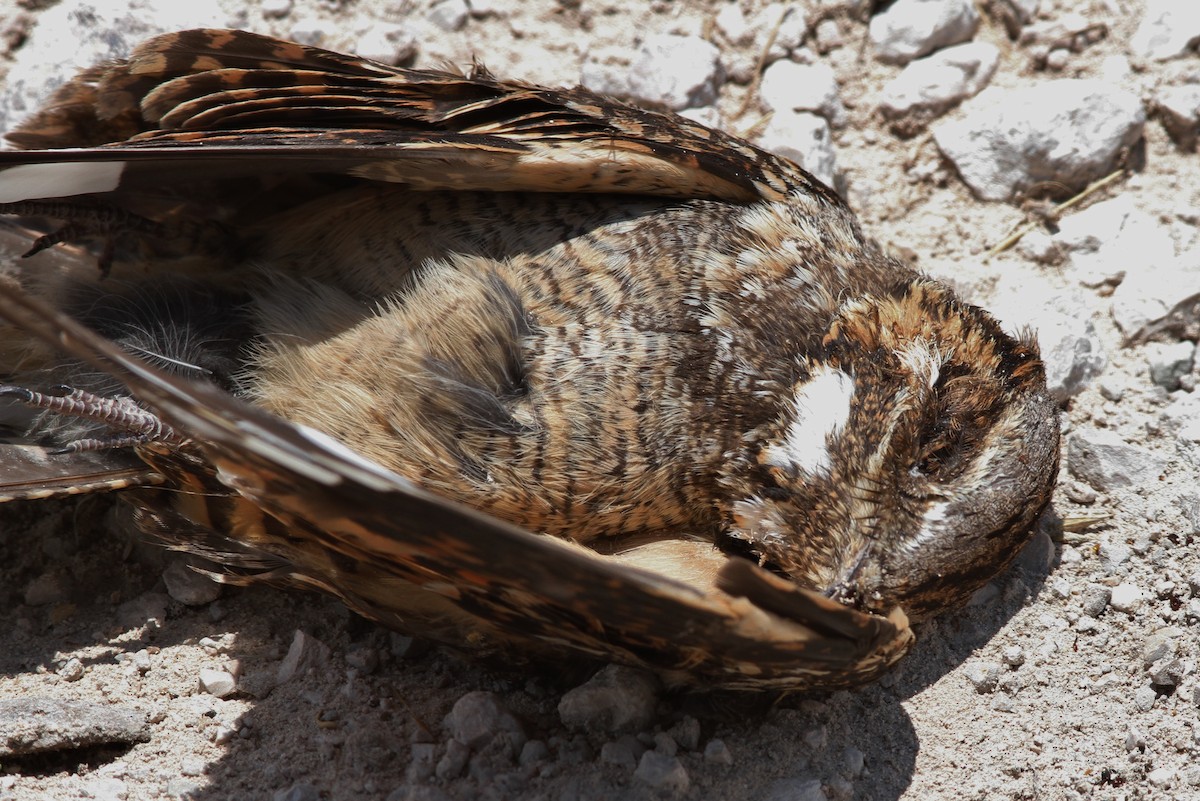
[(1073, 713)]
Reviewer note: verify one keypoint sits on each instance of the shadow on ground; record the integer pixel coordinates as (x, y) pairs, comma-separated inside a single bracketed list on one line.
[(364, 720)]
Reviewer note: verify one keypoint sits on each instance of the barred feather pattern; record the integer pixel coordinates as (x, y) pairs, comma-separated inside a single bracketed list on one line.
[(526, 370)]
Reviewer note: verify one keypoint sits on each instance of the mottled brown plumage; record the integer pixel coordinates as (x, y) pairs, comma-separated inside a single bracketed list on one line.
[(585, 377)]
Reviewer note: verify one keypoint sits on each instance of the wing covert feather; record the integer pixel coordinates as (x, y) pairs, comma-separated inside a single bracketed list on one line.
[(245, 102)]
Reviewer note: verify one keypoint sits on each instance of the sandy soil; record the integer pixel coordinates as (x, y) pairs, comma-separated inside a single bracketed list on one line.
[(1066, 722)]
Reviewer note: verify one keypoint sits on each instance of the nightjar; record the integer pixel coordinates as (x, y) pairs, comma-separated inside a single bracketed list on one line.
[(524, 370)]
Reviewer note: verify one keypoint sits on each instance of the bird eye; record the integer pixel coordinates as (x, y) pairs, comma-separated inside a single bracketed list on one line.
[(940, 436)]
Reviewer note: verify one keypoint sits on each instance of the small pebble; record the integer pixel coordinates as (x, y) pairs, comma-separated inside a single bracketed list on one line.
[(189, 788), (716, 752), (828, 35), (534, 752), (72, 670), (788, 86), (1126, 598), (449, 15), (1168, 362), (686, 733), (1095, 599), (984, 676), (1106, 461), (46, 589), (617, 699), (390, 44), (190, 766), (816, 738), (480, 716), (1144, 698), (1057, 59), (454, 761), (217, 611), (853, 761), (665, 744), (909, 29), (665, 774), (840, 788), (186, 585), (305, 653), (1168, 29), (103, 788), (1111, 388), (363, 658), (1013, 656), (732, 22), (934, 84), (1011, 140), (1160, 644), (1115, 554), (677, 72), (1167, 672), (806, 139), (1010, 684), (1161, 777), (1179, 111), (619, 753), (223, 733), (275, 9), (141, 661), (220, 683), (1192, 610), (421, 763), (309, 31)]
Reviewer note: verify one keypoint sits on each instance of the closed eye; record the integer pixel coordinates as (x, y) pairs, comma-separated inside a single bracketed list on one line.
[(941, 434)]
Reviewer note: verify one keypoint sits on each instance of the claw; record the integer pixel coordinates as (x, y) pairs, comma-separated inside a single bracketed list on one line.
[(134, 424)]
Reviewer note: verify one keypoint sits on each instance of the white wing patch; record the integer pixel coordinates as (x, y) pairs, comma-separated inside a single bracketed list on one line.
[(64, 179), (820, 409)]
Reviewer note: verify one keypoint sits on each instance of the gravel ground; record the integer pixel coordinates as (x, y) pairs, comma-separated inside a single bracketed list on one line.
[(1073, 676)]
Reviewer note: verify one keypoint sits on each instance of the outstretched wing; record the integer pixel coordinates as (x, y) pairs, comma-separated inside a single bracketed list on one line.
[(756, 632), (207, 105), (170, 135)]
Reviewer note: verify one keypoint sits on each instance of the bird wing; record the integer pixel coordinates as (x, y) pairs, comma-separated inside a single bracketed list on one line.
[(31, 472), (208, 104), (756, 631)]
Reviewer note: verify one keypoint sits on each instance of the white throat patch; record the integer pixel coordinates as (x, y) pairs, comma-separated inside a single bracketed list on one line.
[(820, 409)]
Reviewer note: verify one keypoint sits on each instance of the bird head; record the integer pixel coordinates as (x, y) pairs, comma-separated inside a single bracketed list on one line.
[(911, 457)]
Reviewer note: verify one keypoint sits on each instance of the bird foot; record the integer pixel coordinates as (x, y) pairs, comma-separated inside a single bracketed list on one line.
[(131, 424)]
